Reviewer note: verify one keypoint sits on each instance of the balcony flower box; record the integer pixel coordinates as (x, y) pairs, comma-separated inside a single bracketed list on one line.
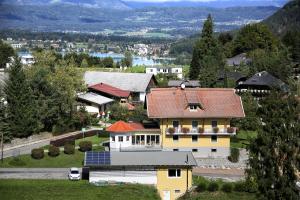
[(230, 130), (201, 130), (185, 130), (171, 130), (216, 129)]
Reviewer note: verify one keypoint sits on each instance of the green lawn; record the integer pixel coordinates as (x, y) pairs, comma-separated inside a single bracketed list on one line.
[(242, 139), (220, 196), (94, 139), (63, 160), (65, 190)]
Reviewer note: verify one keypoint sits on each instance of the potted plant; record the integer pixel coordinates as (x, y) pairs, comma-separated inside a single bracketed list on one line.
[(185, 130), (215, 129), (230, 129), (171, 130), (201, 130)]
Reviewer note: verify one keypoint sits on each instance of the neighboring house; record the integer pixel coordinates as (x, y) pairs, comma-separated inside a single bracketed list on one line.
[(187, 83), (27, 59), (195, 119), (261, 84), (110, 92), (237, 77), (138, 84), (94, 103), (169, 172), (133, 137), (238, 60), (177, 70)]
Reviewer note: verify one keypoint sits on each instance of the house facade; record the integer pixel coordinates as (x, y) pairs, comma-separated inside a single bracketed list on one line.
[(169, 172), (195, 119), (177, 70), (133, 137)]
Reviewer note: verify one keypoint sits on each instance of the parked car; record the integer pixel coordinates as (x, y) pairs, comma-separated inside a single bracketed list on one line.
[(74, 174)]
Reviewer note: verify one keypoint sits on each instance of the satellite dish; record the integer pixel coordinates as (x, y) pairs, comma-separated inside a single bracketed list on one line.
[(182, 86)]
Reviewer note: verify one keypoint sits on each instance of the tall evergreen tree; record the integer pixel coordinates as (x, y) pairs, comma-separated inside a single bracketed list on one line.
[(207, 58), (21, 108), (274, 155), (3, 119)]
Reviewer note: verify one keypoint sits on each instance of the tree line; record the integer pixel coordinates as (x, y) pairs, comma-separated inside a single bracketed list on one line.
[(41, 97)]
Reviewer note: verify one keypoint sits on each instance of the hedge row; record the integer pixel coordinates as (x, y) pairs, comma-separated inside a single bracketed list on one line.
[(213, 186), (71, 139)]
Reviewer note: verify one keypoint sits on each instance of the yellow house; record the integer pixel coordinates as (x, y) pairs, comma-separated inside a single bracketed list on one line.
[(169, 172), (195, 119)]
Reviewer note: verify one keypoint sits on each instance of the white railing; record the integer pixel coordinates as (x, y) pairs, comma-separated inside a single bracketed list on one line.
[(197, 131)]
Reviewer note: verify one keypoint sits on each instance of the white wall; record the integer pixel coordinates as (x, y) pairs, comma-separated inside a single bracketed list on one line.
[(151, 70), (116, 145), (141, 177), (142, 96)]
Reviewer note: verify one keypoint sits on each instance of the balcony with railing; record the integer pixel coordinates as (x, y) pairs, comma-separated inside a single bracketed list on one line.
[(201, 131)]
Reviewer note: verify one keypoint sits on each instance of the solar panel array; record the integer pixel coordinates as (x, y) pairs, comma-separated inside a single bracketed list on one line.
[(97, 158)]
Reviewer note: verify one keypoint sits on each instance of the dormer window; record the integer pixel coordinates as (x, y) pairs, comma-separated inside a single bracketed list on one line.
[(193, 107)]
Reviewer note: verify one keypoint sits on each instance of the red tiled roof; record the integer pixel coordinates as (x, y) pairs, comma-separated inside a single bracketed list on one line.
[(174, 103), (123, 127), (108, 89)]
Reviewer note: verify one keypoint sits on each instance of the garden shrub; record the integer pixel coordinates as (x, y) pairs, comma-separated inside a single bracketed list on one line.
[(85, 146), (227, 187), (234, 155), (69, 149), (201, 187), (240, 186), (201, 130), (37, 153), (185, 130), (213, 186), (70, 141), (53, 151)]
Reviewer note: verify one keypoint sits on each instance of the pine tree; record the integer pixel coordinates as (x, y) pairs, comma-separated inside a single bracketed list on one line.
[(3, 118), (21, 108), (274, 155), (207, 57)]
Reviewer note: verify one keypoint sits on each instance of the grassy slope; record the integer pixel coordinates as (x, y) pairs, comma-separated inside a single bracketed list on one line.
[(64, 190), (63, 160), (221, 196)]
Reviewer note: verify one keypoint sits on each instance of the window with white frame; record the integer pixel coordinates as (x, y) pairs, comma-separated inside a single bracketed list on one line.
[(120, 138), (174, 173), (127, 138), (193, 107), (113, 138)]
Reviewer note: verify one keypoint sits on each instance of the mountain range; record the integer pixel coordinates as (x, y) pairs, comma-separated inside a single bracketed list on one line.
[(286, 19), (123, 18), (130, 4)]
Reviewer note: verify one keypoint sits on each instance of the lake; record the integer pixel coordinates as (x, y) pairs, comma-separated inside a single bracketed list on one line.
[(137, 60)]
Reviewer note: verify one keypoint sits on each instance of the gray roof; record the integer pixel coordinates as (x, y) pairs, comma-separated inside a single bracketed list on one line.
[(177, 83), (157, 158), (266, 79), (3, 76), (238, 59), (95, 98), (233, 75), (134, 82)]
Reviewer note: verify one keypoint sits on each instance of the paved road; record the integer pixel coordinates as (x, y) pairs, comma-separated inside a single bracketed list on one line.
[(61, 173), (34, 173)]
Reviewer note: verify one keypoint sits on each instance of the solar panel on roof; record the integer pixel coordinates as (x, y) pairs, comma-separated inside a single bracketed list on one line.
[(97, 158)]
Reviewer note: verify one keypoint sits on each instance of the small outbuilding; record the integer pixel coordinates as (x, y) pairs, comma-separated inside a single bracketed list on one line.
[(169, 172)]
